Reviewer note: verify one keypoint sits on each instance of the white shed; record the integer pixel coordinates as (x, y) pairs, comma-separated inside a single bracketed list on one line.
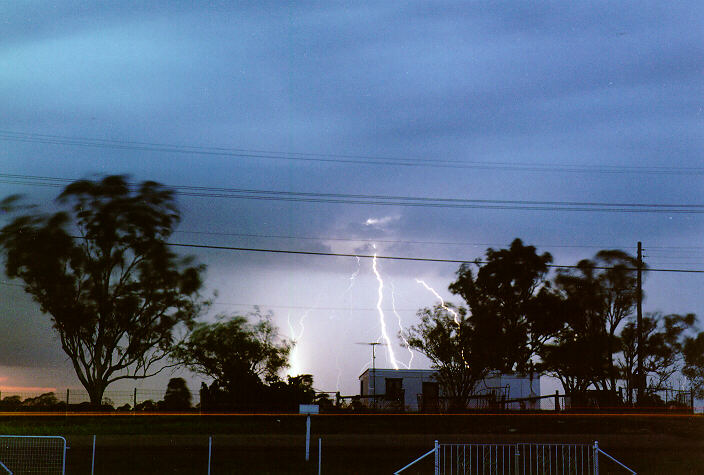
[(413, 388)]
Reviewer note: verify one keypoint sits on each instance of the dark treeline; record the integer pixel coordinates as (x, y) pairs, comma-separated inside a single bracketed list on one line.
[(577, 324), (125, 306)]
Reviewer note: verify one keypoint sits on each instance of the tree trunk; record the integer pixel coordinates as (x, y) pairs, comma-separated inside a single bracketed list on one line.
[(612, 368), (95, 392)]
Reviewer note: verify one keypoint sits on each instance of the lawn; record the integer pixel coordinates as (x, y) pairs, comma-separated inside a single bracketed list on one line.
[(351, 443)]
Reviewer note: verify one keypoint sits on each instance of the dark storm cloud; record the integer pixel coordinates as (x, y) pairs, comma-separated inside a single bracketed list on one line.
[(595, 83)]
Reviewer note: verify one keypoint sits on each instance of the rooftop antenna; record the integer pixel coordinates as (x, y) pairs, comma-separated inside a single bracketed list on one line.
[(373, 344)]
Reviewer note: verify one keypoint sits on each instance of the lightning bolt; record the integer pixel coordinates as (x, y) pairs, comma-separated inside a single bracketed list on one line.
[(454, 314), (400, 326), (382, 319), (295, 367), (338, 382), (352, 280), (293, 356), (353, 277)]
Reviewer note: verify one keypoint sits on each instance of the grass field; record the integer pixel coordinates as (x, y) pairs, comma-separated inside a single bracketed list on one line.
[(351, 444)]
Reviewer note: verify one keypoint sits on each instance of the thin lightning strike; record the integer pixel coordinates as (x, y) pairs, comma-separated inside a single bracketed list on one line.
[(352, 280), (366, 365), (295, 367), (338, 382), (353, 277), (454, 314), (293, 356), (400, 326), (382, 319)]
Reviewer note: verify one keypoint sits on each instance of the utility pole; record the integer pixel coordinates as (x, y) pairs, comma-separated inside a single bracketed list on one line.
[(639, 316), (372, 386)]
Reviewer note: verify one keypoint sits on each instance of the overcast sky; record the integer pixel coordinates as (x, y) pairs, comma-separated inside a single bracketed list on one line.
[(502, 104)]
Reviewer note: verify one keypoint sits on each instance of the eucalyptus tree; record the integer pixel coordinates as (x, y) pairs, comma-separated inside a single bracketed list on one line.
[(240, 353), (448, 338), (103, 272), (693, 370), (510, 299), (602, 295)]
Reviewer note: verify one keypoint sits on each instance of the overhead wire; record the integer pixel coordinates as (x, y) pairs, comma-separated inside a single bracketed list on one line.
[(404, 258), (395, 200), (242, 153)]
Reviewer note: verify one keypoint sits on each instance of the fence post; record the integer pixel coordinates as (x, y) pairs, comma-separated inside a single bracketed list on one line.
[(308, 438), (437, 458), (210, 451), (92, 459), (691, 399), (320, 453), (134, 399), (67, 396), (596, 457), (557, 400)]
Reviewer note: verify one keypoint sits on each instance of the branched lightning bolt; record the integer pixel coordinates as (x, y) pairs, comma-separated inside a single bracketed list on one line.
[(455, 315), (400, 326), (296, 337), (352, 279), (382, 319)]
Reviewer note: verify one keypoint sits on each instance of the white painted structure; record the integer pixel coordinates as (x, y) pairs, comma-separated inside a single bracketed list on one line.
[(412, 386)]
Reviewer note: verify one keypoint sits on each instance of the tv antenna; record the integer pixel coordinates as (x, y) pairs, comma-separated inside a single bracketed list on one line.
[(373, 344)]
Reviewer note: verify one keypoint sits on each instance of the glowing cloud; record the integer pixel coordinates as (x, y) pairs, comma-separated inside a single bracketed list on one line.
[(380, 221)]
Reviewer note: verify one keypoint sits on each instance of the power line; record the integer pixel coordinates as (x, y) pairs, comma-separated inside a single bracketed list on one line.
[(401, 258), (14, 136), (395, 200), (405, 241)]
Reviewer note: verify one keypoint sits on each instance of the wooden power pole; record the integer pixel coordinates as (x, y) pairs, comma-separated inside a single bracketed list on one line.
[(640, 381)]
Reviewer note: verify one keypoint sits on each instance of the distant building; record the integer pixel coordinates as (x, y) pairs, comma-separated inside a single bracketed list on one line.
[(414, 389)]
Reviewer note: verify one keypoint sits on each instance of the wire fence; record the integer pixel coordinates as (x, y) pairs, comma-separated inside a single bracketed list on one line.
[(75, 399), (148, 400)]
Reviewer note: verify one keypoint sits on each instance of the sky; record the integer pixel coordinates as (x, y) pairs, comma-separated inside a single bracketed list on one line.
[(411, 129)]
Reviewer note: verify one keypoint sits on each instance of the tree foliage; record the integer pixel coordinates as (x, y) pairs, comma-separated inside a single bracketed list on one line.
[(663, 346), (600, 294), (103, 272), (693, 351), (446, 336), (577, 326), (177, 396), (510, 303), (240, 353)]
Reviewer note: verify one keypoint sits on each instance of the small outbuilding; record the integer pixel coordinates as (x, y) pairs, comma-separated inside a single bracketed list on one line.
[(418, 389)]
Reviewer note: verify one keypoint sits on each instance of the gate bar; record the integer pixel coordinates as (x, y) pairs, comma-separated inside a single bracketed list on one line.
[(434, 450), (598, 450)]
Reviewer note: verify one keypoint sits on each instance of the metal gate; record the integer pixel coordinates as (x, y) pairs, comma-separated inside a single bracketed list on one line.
[(24, 454), (523, 458), (515, 459)]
